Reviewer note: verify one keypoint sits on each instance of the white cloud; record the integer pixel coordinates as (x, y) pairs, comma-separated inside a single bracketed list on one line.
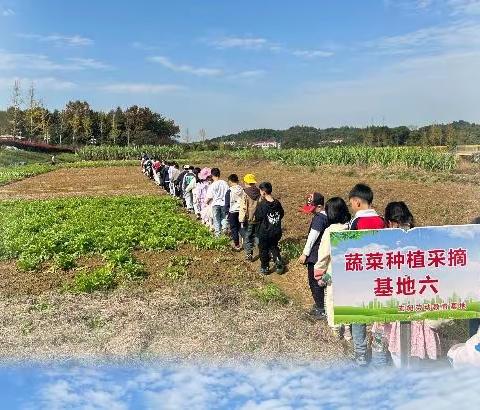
[(198, 71), (59, 39), (89, 63), (141, 88), (7, 12), (45, 83), (256, 387), (40, 62), (312, 53), (248, 74), (465, 6), (260, 43), (464, 35), (240, 42)]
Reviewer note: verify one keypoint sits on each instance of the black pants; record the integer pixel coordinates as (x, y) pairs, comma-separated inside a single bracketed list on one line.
[(234, 223), (267, 246), (318, 292)]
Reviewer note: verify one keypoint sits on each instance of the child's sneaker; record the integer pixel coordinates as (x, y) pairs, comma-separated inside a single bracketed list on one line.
[(347, 333), (265, 271), (280, 269), (317, 313)]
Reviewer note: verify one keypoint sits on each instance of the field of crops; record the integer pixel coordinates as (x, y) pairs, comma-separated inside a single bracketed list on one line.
[(62, 230), (416, 157), (16, 173), (106, 152)]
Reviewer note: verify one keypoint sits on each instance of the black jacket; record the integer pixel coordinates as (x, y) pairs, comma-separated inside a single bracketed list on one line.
[(268, 216)]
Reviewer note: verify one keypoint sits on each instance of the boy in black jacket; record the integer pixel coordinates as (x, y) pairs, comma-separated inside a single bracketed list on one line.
[(268, 216)]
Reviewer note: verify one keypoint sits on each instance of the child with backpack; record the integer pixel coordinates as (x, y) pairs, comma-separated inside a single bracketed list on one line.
[(246, 215), (233, 200), (268, 217), (309, 256), (188, 183)]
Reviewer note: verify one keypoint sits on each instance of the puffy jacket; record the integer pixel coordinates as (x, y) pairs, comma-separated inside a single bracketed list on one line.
[(248, 204)]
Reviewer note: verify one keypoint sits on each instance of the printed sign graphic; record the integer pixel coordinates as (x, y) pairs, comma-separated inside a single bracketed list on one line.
[(389, 275)]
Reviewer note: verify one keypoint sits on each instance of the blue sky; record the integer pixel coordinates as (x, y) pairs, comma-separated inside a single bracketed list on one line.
[(227, 66), (353, 288), (245, 387)]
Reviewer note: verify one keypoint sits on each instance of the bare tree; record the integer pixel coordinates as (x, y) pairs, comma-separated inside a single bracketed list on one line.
[(203, 134), (187, 136), (34, 113), (16, 102)]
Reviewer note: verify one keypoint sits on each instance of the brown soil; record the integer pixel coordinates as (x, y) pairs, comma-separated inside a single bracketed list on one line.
[(81, 182)]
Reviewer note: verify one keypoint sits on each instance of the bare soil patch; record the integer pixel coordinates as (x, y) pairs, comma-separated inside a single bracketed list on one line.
[(66, 182)]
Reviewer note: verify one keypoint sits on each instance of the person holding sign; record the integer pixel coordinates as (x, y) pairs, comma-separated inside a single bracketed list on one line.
[(361, 199), (337, 219)]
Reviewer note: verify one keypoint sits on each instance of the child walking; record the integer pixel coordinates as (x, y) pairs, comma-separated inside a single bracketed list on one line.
[(188, 183), (247, 214), (233, 200), (268, 216), (309, 255), (216, 198)]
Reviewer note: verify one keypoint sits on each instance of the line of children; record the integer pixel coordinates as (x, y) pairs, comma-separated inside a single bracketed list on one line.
[(250, 214)]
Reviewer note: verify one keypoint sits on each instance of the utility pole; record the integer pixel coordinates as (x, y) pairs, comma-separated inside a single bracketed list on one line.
[(203, 134)]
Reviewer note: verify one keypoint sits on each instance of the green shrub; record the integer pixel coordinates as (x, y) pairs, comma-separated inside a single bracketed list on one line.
[(102, 279), (177, 267), (270, 293)]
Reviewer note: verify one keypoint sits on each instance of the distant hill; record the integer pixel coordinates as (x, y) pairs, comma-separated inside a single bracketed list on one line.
[(458, 132)]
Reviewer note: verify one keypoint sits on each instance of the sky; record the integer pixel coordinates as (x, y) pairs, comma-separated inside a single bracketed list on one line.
[(228, 66), (353, 288), (246, 387)]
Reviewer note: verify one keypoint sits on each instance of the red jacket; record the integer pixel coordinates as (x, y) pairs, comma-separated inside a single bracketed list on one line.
[(367, 219)]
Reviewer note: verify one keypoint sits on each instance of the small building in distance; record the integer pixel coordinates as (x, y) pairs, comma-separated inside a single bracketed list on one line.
[(266, 144)]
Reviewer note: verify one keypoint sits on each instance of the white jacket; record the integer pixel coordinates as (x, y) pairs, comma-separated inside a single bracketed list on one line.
[(236, 195)]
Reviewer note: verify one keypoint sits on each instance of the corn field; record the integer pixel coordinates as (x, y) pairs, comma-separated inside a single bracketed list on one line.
[(412, 157), (109, 152)]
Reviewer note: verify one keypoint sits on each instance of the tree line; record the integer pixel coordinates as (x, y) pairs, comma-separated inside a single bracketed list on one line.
[(452, 134), (78, 124)]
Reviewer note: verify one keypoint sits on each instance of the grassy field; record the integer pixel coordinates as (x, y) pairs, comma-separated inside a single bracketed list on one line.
[(351, 314), (21, 157)]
